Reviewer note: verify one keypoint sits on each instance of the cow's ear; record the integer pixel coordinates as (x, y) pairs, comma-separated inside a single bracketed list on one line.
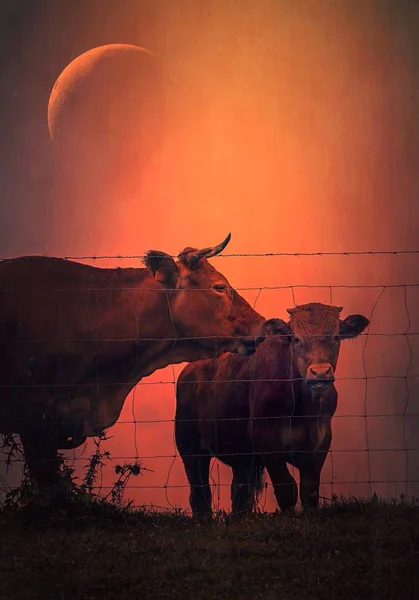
[(163, 267), (276, 327), (352, 326)]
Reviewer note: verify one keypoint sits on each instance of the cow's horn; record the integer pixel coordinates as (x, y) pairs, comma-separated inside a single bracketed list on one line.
[(208, 252)]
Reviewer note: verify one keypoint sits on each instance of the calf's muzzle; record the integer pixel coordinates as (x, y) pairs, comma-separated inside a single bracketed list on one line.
[(320, 376)]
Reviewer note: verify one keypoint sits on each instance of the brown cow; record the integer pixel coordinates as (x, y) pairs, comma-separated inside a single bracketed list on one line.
[(265, 411), (76, 339)]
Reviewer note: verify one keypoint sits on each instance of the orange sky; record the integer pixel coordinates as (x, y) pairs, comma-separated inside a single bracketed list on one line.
[(291, 125)]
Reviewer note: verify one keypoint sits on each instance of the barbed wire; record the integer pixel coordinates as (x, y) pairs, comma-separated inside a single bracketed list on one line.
[(236, 255), (257, 288)]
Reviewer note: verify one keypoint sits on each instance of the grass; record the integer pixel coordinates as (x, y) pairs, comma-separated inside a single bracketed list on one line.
[(78, 545), (348, 550)]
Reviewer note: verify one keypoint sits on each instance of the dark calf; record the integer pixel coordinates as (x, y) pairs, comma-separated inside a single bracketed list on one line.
[(266, 410)]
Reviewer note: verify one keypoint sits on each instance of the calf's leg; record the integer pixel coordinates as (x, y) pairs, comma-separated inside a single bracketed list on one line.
[(242, 490), (197, 472), (285, 486), (309, 486), (310, 472)]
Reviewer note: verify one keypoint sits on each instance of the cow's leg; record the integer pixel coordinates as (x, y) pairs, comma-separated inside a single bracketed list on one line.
[(197, 472), (309, 486), (242, 491), (41, 454), (285, 487), (310, 472)]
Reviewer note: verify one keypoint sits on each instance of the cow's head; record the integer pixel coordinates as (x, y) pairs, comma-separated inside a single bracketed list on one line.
[(315, 332), (203, 304)]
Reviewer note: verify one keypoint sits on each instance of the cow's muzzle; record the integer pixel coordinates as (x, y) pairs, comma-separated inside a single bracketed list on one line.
[(248, 345), (320, 376)]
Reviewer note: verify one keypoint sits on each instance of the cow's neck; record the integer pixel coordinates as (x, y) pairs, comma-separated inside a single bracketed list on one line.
[(141, 322), (160, 355)]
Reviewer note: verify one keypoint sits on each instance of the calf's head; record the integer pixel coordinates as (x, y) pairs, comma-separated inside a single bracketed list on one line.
[(203, 305), (315, 332)]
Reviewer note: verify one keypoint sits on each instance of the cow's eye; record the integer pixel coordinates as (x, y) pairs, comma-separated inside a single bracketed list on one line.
[(298, 342), (220, 287)]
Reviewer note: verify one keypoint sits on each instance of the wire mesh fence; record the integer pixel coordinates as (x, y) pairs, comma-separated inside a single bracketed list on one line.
[(375, 446)]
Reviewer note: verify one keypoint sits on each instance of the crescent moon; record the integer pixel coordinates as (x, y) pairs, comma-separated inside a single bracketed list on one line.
[(72, 85)]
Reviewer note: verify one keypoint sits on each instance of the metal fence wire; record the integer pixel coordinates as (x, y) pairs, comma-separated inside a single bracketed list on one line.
[(375, 445)]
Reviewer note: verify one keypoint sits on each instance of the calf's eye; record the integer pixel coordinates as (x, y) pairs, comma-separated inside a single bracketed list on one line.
[(219, 287)]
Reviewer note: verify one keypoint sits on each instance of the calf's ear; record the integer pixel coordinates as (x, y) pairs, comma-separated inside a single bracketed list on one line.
[(163, 267), (275, 327), (352, 326)]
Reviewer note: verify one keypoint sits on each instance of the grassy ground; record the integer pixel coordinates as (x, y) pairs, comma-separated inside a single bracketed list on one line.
[(353, 550)]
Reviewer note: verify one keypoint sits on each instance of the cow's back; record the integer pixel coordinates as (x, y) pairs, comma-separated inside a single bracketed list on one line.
[(47, 299), (59, 322), (32, 288), (45, 272)]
